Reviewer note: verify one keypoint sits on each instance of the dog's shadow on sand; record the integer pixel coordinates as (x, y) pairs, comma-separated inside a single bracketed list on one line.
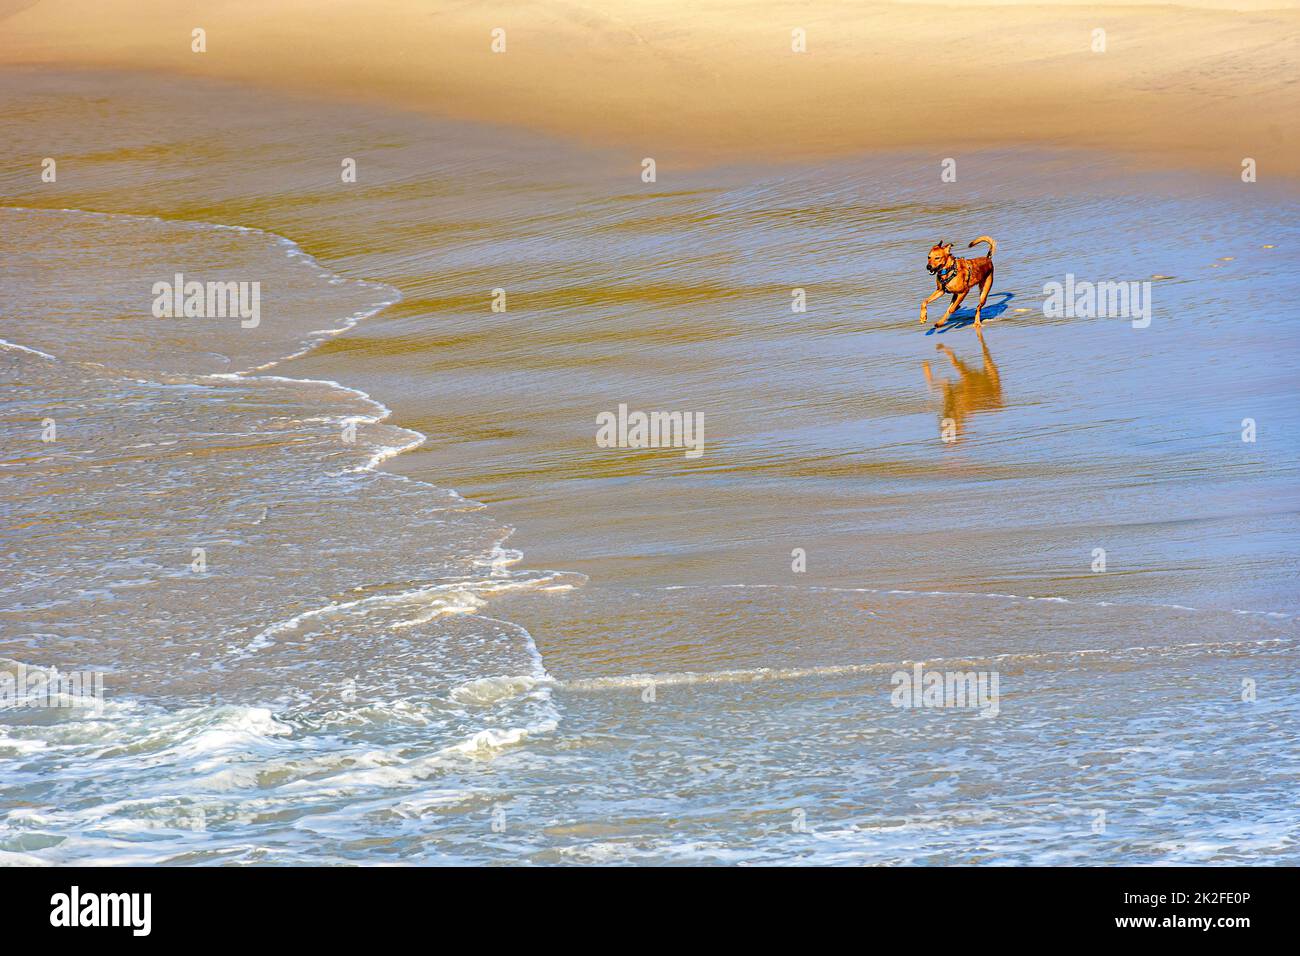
[(965, 317)]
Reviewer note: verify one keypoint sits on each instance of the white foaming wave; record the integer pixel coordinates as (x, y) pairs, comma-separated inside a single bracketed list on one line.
[(350, 322), (391, 295), (397, 712), (17, 747), (212, 749), (433, 601), (1049, 599), (6, 344), (336, 774), (246, 765), (757, 674), (609, 852), (392, 451), (500, 559), (492, 739), (457, 602), (380, 415), (231, 748), (417, 807), (235, 730), (62, 706), (440, 599), (382, 772), (467, 597), (9, 858), (489, 690), (734, 676)]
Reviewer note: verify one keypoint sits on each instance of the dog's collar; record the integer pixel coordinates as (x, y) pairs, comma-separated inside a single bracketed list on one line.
[(945, 275)]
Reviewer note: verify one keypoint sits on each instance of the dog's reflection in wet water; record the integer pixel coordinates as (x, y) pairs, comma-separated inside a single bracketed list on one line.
[(975, 390)]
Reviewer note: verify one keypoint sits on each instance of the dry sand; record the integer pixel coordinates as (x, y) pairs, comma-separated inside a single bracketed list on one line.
[(718, 79)]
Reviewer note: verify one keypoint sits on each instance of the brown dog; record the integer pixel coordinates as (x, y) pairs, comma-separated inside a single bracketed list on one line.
[(956, 277)]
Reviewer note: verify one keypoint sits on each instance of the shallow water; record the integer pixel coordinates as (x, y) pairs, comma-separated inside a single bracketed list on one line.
[(367, 671)]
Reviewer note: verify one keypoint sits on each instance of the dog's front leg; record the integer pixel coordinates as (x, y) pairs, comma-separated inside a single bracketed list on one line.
[(953, 307), (925, 306)]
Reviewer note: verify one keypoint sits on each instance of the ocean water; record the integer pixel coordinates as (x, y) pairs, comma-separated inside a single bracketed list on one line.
[(236, 673), (436, 623)]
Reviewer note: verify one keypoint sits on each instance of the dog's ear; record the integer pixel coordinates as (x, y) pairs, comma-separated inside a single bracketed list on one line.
[(945, 246)]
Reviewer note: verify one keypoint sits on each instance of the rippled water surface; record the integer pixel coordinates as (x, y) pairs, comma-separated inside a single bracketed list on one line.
[(435, 622)]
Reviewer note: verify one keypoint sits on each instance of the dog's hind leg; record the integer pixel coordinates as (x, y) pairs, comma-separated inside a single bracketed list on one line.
[(985, 286)]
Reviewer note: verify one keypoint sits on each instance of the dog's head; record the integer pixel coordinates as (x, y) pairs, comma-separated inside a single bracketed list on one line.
[(940, 256)]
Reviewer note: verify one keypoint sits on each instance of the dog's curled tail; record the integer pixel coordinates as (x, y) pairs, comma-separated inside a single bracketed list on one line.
[(993, 246)]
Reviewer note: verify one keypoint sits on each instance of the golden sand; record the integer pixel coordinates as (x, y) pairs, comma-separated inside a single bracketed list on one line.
[(1204, 84)]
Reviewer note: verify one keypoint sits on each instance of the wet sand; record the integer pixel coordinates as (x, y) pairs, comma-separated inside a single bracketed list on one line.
[(823, 432)]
